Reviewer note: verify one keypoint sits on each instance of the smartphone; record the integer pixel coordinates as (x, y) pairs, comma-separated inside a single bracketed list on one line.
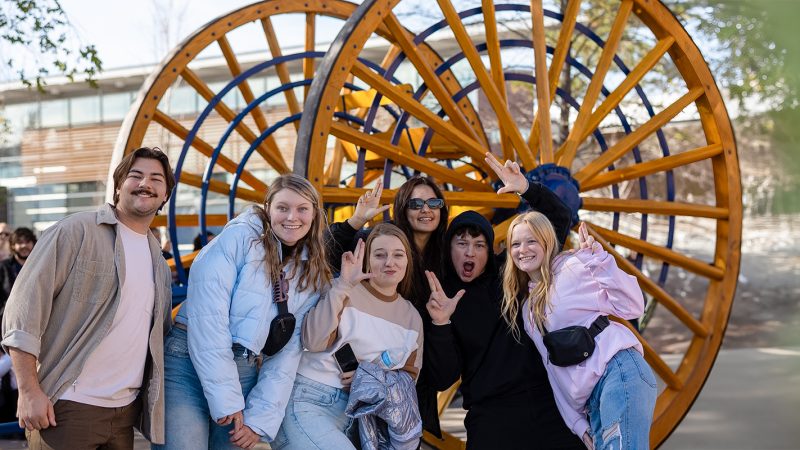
[(345, 358)]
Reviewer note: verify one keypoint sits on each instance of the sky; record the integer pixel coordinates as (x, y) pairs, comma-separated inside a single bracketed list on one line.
[(123, 30)]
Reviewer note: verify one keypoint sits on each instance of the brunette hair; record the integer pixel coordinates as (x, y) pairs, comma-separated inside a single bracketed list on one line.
[(124, 166), (388, 229), (430, 257), (515, 281), (21, 234), (316, 275)]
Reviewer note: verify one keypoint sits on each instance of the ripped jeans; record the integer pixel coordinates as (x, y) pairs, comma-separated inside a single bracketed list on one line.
[(621, 405)]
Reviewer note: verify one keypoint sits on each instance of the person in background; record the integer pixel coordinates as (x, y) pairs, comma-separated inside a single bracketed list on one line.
[(85, 320), (198, 243), (232, 357), (22, 241), (157, 234), (5, 246)]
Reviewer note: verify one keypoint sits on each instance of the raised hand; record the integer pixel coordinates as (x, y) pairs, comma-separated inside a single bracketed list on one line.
[(509, 173), (352, 266), (368, 206), (439, 305), (586, 240)]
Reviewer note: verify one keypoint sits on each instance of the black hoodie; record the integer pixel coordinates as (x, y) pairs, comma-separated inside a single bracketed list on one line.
[(478, 346)]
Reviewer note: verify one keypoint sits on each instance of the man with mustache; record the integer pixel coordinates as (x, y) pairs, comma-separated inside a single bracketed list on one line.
[(85, 321)]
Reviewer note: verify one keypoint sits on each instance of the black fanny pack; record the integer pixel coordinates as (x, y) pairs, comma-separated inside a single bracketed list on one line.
[(282, 326), (573, 345)]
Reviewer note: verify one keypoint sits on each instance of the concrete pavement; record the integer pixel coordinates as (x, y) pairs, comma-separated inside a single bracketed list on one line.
[(750, 402)]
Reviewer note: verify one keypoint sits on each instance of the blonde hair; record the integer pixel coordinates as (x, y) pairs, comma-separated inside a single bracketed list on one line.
[(317, 273), (515, 280), (388, 229)]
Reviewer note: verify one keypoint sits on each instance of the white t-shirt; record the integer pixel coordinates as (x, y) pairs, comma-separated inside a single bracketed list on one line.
[(113, 372)]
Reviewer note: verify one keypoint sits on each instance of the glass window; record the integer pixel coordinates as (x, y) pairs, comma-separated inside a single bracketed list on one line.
[(116, 106), (85, 110), (182, 100), (15, 119), (55, 113)]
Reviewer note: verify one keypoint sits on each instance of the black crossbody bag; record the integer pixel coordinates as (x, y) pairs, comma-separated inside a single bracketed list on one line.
[(572, 345), (282, 325)]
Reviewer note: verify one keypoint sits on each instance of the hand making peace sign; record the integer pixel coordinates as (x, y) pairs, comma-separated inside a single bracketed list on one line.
[(509, 173), (585, 240), (440, 306), (368, 206), (352, 264)]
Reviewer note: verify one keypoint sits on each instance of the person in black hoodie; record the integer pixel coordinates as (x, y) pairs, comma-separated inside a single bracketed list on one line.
[(505, 390)]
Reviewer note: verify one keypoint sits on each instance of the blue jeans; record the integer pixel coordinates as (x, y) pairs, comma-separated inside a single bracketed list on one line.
[(315, 418), (621, 405), (188, 421)]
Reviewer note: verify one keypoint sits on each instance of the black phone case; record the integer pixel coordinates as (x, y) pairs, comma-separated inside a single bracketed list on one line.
[(346, 358)]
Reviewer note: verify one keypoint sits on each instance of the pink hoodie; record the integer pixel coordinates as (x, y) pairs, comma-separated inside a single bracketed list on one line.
[(585, 286)]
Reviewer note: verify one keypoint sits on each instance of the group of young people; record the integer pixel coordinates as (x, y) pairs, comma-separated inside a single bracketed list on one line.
[(273, 298)]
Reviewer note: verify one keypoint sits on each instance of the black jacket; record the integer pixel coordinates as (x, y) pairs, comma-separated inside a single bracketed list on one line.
[(496, 369), (9, 269)]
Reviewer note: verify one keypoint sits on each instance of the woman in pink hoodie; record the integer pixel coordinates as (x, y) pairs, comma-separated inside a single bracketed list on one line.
[(607, 398)]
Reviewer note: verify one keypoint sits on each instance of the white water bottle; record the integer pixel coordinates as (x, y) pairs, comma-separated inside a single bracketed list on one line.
[(391, 359)]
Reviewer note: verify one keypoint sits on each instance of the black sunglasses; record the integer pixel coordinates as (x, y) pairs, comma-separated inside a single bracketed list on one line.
[(418, 203)]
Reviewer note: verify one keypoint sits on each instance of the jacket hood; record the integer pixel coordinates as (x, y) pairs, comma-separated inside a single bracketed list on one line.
[(470, 218)]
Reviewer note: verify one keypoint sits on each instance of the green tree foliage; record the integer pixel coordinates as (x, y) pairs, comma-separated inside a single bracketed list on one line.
[(39, 36)]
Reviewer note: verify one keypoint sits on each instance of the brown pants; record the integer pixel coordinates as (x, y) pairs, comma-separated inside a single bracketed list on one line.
[(82, 427)]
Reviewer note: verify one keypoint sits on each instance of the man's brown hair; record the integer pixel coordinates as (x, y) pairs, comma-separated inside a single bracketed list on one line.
[(121, 172)]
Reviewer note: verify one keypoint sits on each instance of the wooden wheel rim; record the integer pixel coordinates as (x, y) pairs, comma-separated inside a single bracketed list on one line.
[(685, 383)]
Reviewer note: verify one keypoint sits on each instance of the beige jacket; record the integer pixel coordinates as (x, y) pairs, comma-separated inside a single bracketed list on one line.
[(65, 299)]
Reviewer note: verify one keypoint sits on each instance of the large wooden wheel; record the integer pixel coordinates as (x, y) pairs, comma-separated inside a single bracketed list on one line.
[(645, 149), (227, 150)]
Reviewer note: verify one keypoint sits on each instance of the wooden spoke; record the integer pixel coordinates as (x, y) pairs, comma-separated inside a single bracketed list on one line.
[(244, 86), (412, 106), (350, 195), (496, 65), (543, 96), (670, 256), (570, 147), (426, 72), (206, 149), (333, 172), (556, 66), (660, 367), (631, 140), (220, 187), (654, 207), (281, 69), (186, 261), (395, 153), (271, 154), (191, 220), (507, 124), (311, 44), (654, 289), (501, 230), (633, 78), (650, 167)]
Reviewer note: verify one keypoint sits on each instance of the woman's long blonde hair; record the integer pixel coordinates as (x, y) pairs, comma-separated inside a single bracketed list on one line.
[(515, 281), (317, 274)]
